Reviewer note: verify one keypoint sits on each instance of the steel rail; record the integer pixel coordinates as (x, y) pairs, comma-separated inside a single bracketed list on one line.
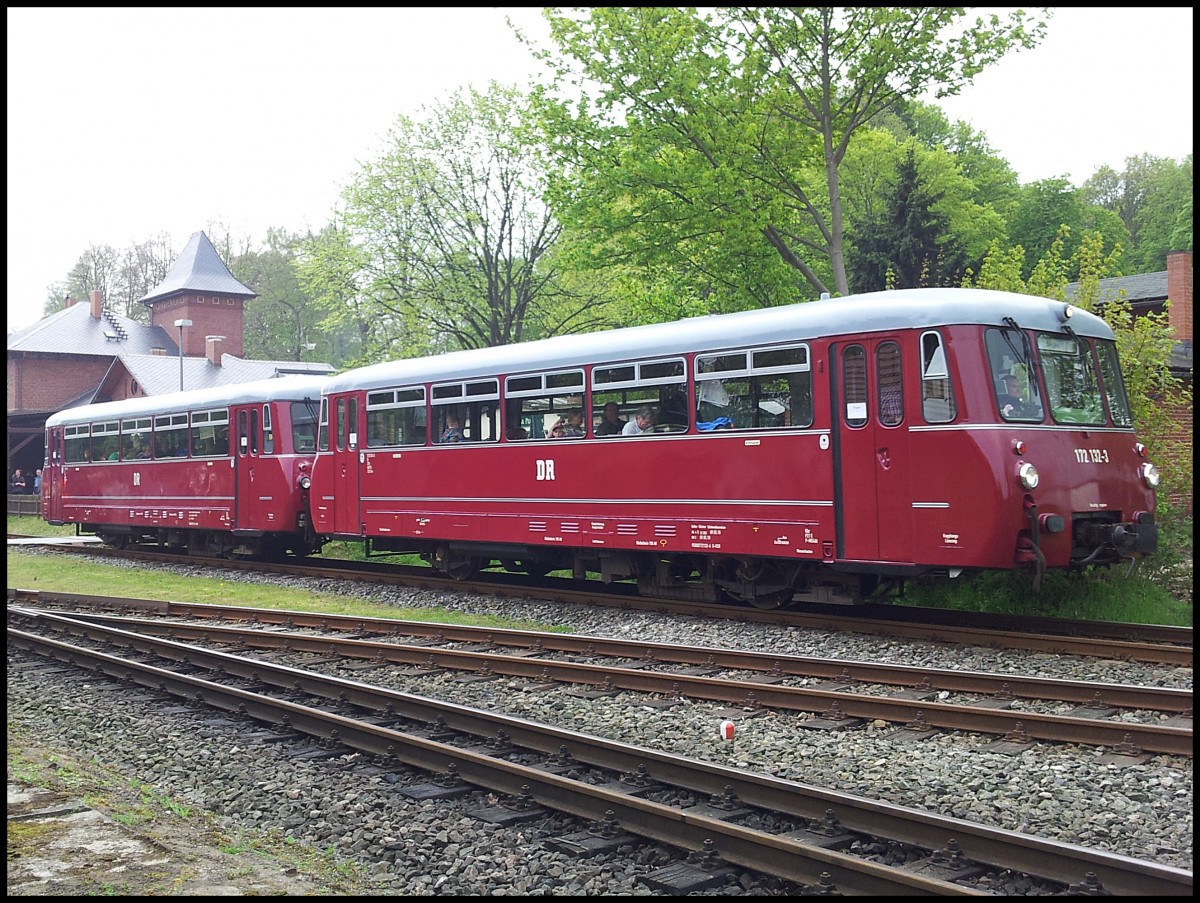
[(1066, 863)]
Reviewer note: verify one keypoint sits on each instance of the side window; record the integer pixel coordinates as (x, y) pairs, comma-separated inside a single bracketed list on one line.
[(650, 397), (937, 401), (171, 436), (854, 385), (769, 388), (340, 422), (545, 406), (254, 431), (77, 442), (136, 439), (352, 424), (889, 384), (106, 441), (396, 417), (466, 412), (210, 433)]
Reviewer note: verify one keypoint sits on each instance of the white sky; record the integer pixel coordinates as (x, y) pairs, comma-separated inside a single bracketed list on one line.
[(124, 124)]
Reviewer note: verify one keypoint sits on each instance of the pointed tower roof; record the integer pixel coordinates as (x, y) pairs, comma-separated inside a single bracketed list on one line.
[(198, 269)]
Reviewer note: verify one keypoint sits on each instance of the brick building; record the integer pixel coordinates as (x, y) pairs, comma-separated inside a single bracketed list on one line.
[(87, 353)]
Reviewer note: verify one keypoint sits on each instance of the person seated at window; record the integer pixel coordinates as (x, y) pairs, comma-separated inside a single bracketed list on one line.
[(612, 424), (1010, 400), (453, 431), (512, 423), (569, 427), (642, 422)]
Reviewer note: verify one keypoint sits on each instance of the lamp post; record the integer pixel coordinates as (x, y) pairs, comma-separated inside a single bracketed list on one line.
[(181, 324)]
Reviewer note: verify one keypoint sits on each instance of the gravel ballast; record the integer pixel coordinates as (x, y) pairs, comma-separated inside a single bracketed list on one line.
[(1063, 792)]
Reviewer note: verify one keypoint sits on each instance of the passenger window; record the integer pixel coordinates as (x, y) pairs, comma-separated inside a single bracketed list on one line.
[(759, 389), (657, 389), (466, 412), (545, 405), (396, 417)]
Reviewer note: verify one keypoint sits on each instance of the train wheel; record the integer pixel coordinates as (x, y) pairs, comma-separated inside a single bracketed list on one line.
[(530, 567), (116, 540), (755, 583), (464, 568)]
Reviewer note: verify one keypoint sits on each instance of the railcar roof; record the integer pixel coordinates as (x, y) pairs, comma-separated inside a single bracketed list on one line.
[(855, 314), (286, 388)]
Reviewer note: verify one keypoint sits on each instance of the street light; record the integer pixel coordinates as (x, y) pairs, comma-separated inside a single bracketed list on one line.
[(181, 324)]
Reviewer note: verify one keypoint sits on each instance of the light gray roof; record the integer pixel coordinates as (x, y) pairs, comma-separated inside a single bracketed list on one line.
[(856, 314), (73, 331), (1143, 287), (198, 268), (158, 374), (297, 388)]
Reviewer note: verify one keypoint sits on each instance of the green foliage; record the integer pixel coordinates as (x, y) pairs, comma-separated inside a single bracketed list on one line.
[(908, 244), (283, 319), (1152, 196), (711, 145), (445, 242), (1044, 209), (1094, 594)]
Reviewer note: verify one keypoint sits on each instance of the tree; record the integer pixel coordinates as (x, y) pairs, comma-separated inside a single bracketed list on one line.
[(908, 244), (95, 270), (445, 239), (1045, 208), (1153, 198), (124, 276), (698, 141), (283, 322)]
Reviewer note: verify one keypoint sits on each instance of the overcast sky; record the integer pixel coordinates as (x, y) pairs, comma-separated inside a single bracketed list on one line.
[(124, 124)]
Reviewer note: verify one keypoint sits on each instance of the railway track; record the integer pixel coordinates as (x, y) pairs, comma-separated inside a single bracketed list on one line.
[(837, 694), (723, 817), (1132, 642)]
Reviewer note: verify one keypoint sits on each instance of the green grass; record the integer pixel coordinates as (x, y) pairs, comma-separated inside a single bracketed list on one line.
[(66, 574), (1160, 592)]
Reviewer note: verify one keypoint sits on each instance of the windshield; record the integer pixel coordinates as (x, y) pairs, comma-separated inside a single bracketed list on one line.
[(1114, 385), (304, 426), (1071, 380)]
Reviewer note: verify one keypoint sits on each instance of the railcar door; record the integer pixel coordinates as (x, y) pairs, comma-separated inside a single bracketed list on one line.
[(248, 443), (873, 470), (345, 442)]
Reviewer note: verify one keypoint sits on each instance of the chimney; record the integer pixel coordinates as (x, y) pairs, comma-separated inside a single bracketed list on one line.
[(1179, 292), (69, 302), (158, 351), (212, 349), (97, 298)]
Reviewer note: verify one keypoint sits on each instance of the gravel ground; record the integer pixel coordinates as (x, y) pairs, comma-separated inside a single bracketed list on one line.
[(1062, 792)]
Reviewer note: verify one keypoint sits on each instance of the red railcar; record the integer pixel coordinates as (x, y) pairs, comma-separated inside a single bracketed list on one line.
[(214, 471), (815, 451)]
